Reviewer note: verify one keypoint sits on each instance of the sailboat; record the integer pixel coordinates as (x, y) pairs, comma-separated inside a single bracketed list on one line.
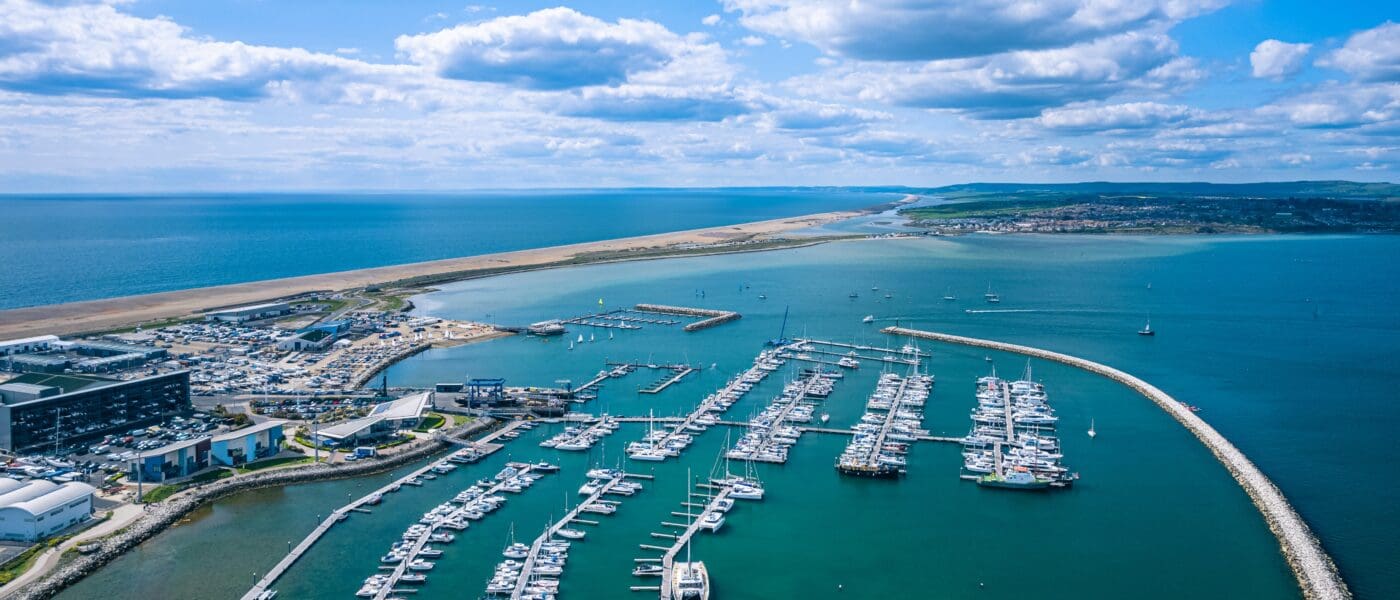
[(1092, 433), (1147, 329), (580, 338), (610, 335), (990, 296), (591, 337), (571, 345), (948, 295), (689, 580)]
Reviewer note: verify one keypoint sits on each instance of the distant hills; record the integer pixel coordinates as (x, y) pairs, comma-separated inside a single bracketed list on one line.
[(1339, 190)]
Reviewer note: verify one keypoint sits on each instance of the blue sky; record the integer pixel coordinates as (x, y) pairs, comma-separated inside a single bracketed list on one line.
[(254, 95)]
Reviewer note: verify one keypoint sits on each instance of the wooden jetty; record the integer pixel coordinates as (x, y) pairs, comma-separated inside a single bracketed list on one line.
[(913, 351), (658, 387), (484, 445), (668, 560), (554, 528)]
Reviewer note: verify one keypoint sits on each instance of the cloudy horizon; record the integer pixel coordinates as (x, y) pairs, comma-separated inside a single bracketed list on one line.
[(229, 95)]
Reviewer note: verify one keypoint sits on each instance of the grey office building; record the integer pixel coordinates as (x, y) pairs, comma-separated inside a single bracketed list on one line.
[(39, 411)]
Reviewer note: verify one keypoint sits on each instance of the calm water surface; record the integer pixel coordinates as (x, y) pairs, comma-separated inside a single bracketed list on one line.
[(1287, 343), (67, 248)]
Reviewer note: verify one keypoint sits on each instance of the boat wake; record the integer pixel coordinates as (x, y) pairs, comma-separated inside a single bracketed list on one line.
[(976, 311)]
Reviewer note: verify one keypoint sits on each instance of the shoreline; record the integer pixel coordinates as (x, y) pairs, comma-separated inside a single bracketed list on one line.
[(115, 313), (1317, 575), (171, 511)]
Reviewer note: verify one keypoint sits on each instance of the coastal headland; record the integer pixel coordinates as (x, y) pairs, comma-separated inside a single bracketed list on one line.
[(116, 313)]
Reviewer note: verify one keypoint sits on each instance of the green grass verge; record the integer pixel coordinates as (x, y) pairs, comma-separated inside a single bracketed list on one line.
[(21, 563), (430, 422), (166, 491), (274, 462)]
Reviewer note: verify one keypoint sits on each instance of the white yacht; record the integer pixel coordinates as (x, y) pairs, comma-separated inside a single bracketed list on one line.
[(690, 581), (868, 319)]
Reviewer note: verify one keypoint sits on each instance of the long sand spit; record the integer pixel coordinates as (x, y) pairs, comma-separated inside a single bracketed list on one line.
[(1316, 573), (115, 313)]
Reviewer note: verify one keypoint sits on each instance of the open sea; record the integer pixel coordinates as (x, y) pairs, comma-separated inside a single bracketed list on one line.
[(1287, 343), (69, 248)]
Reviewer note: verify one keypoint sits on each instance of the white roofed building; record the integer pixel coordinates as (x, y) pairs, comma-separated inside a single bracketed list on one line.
[(33, 510)]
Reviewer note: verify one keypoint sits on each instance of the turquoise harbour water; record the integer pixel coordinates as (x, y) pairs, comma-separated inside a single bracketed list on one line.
[(1287, 344), (68, 248)]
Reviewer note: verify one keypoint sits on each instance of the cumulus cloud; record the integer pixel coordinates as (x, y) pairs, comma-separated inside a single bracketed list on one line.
[(1015, 84), (1116, 117), (905, 30), (752, 41), (657, 103), (710, 20), (1340, 106), (1272, 59), (551, 49), (1371, 55), (814, 118), (96, 49)]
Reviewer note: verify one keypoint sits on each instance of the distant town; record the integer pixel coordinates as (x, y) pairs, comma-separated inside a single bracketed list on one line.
[(1160, 210)]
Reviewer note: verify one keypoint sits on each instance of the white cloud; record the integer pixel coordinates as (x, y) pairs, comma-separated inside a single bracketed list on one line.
[(904, 30), (1116, 117), (1371, 55), (1340, 106), (752, 41), (95, 49), (710, 20), (553, 49), (1272, 59), (1015, 84)]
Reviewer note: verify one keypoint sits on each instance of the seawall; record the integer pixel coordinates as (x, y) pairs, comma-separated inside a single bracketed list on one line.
[(164, 514), (1316, 573)]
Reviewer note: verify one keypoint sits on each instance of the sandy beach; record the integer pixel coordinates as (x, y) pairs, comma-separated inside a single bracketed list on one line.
[(116, 313)]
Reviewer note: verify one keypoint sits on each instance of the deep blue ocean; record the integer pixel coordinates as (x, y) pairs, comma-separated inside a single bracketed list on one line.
[(69, 248)]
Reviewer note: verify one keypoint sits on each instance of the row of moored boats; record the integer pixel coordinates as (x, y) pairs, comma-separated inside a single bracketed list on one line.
[(1013, 443), (892, 422)]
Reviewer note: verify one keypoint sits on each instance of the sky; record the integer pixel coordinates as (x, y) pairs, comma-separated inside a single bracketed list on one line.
[(253, 95)]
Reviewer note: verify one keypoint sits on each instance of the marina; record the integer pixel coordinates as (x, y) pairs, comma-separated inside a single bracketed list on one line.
[(717, 500), (543, 563), (892, 421), (668, 442), (1012, 443), (576, 439), (773, 431), (482, 447), (410, 554), (596, 568)]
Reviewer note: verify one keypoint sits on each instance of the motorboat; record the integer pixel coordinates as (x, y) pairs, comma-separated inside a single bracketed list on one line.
[(571, 534)]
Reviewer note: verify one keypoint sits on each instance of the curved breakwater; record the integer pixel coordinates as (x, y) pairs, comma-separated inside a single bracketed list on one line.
[(1316, 573)]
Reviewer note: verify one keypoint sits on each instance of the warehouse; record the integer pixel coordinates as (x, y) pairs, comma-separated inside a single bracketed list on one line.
[(33, 510), (25, 345), (243, 314), (41, 411)]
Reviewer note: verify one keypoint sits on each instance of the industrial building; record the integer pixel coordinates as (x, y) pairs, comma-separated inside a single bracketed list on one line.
[(33, 510), (311, 339), (26, 345), (248, 444), (383, 421), (41, 411), (243, 314), (173, 461)]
